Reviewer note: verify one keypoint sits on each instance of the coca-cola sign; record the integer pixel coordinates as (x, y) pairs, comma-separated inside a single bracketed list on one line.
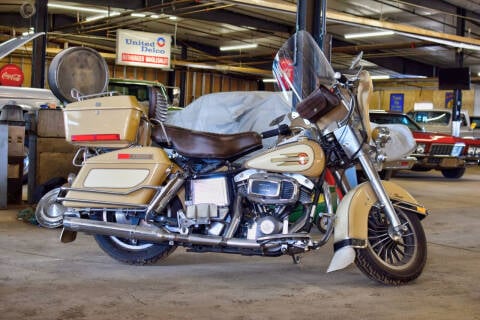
[(11, 75)]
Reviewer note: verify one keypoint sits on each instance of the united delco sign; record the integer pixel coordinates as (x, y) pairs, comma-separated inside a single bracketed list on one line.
[(143, 49)]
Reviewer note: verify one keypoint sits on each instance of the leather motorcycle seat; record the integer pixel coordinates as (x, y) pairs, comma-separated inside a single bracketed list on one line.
[(207, 145)]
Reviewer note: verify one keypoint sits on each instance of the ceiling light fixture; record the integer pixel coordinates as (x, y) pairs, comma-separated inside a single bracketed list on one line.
[(269, 80), (368, 34), (154, 16), (73, 8), (380, 77), (239, 47), (454, 44), (138, 15), (93, 18)]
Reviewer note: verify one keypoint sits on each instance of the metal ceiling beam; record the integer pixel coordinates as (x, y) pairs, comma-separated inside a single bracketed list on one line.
[(180, 63), (240, 20), (398, 64), (137, 4), (360, 21), (354, 49)]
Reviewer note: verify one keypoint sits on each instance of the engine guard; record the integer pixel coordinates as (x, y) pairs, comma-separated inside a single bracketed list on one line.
[(351, 224)]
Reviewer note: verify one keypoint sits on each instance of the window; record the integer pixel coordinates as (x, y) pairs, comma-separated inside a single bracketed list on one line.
[(432, 117)]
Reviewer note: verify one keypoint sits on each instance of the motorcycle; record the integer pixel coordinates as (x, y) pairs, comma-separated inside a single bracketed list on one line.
[(160, 186)]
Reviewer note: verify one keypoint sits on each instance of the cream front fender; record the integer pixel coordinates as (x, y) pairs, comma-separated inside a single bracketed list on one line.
[(351, 224)]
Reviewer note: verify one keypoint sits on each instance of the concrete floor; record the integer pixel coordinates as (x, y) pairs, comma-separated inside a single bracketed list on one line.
[(41, 278)]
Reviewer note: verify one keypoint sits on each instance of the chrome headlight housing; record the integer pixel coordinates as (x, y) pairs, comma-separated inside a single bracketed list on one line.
[(420, 148), (457, 149)]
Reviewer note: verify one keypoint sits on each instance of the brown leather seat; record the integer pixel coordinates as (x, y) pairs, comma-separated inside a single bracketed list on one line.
[(198, 144)]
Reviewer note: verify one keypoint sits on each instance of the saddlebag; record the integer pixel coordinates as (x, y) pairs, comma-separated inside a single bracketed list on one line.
[(121, 178), (317, 104)]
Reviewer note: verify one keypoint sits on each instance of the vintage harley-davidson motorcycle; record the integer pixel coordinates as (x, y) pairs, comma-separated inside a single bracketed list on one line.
[(160, 186)]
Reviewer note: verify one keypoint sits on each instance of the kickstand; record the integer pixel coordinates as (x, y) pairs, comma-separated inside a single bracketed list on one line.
[(296, 258)]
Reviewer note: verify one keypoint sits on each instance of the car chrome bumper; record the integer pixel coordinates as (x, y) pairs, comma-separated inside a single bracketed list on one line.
[(439, 162), (402, 164)]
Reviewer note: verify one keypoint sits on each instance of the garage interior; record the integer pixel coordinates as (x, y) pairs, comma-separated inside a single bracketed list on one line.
[(42, 278)]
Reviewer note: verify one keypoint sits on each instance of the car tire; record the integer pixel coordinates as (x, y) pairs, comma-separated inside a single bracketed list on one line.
[(455, 173)]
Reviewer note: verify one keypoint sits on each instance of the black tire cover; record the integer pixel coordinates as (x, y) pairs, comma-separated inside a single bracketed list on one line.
[(79, 68)]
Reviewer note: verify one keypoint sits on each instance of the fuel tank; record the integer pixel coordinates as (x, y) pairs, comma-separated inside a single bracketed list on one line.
[(114, 175), (305, 157)]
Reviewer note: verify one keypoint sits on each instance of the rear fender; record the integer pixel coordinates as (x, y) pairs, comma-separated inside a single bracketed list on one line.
[(351, 224)]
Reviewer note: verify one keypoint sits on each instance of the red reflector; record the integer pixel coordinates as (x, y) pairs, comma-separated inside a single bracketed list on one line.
[(123, 156), (96, 137)]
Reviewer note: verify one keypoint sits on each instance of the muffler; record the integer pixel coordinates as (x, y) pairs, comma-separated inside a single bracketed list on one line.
[(145, 233)]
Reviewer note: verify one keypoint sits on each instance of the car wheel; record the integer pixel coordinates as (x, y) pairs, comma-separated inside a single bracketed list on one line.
[(456, 173)]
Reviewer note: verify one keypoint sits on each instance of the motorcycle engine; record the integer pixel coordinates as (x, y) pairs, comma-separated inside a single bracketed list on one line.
[(271, 194), (269, 188)]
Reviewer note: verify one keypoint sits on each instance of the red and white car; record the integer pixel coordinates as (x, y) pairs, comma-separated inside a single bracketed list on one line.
[(451, 155)]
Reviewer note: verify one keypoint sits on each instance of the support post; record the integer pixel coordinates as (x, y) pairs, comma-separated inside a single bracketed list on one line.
[(457, 93), (311, 17), (39, 45), (3, 165), (183, 79)]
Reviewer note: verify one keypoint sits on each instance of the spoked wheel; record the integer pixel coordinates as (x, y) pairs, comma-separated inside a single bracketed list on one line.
[(389, 261), (131, 251)]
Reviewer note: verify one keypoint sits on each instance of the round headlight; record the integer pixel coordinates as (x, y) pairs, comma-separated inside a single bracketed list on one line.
[(420, 148)]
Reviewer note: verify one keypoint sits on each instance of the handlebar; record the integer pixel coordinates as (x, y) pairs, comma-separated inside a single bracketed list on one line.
[(282, 129)]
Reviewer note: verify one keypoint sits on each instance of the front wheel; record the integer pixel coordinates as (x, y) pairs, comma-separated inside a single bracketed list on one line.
[(388, 261)]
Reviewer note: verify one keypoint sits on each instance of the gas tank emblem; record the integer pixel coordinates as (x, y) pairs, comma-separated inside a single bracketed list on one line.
[(303, 158)]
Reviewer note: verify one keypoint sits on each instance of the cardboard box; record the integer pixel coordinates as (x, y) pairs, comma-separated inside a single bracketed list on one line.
[(16, 141), (50, 123)]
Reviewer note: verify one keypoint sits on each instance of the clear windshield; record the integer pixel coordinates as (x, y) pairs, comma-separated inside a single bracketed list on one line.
[(300, 66), (432, 117)]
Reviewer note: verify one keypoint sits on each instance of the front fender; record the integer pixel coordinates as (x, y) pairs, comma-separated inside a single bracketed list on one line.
[(351, 224)]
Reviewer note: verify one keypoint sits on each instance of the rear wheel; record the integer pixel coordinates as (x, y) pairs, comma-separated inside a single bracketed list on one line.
[(456, 173), (132, 251), (388, 261), (138, 253)]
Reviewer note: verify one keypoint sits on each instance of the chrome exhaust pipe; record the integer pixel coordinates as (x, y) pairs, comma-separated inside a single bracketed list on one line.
[(150, 233)]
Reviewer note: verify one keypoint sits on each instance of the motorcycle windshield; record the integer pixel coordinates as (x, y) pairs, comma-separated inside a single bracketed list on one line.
[(300, 66)]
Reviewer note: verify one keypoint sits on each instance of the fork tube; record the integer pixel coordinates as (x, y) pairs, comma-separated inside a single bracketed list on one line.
[(377, 187)]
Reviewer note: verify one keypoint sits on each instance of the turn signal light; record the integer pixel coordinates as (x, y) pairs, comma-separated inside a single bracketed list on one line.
[(96, 137)]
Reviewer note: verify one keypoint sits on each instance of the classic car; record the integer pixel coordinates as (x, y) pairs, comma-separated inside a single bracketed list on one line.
[(440, 120), (438, 151)]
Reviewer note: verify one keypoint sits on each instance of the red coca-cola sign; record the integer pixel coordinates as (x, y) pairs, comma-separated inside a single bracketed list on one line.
[(11, 75)]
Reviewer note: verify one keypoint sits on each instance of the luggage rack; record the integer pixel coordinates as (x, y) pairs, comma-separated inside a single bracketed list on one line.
[(79, 97)]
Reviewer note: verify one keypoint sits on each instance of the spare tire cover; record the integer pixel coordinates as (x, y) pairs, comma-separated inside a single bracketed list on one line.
[(79, 68)]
